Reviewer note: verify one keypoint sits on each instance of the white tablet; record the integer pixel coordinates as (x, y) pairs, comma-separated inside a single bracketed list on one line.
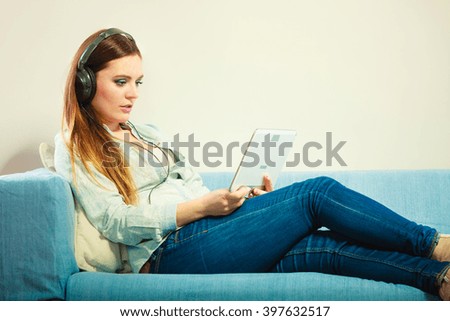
[(265, 154)]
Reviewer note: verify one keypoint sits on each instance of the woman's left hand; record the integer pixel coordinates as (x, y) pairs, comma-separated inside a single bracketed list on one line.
[(268, 187)]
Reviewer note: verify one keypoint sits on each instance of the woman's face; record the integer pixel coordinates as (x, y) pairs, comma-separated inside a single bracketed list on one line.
[(117, 90)]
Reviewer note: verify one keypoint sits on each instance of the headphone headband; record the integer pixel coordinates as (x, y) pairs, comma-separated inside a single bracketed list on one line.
[(93, 45)]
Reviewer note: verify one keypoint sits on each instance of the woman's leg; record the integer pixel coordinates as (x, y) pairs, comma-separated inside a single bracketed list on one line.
[(259, 234), (329, 252), (442, 253)]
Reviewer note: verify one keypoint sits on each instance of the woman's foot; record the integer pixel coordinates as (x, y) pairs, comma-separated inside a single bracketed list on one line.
[(444, 291), (442, 251)]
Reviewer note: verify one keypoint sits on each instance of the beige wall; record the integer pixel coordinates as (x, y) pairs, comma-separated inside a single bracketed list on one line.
[(374, 73)]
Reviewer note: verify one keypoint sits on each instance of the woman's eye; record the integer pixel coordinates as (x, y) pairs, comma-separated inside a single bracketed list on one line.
[(139, 82), (120, 82)]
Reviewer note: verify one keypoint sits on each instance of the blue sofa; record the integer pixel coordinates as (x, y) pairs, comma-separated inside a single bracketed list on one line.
[(37, 248)]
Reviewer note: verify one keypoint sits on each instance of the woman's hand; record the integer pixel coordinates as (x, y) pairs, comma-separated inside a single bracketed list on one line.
[(268, 187), (223, 202), (216, 203)]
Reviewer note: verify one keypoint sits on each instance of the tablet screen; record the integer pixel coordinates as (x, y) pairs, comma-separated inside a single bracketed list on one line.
[(266, 154)]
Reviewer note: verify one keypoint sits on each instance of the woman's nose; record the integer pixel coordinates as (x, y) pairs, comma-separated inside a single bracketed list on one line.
[(133, 91)]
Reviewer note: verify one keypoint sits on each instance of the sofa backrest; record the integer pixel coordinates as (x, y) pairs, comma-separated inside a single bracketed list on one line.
[(36, 236), (420, 195)]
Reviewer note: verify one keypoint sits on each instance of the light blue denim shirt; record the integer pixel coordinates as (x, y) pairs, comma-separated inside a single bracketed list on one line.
[(145, 226)]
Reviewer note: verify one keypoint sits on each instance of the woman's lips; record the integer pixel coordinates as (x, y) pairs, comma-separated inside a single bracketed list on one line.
[(126, 109)]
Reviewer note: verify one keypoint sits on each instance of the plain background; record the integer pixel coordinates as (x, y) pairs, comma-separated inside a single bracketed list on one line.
[(376, 74)]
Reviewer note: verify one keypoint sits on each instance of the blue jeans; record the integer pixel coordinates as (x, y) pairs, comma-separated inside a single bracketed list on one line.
[(282, 231)]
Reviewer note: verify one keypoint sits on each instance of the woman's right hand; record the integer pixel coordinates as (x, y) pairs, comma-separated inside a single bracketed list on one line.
[(223, 202), (216, 203)]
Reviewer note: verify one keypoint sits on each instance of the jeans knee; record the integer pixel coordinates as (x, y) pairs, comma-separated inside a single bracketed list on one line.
[(323, 182), (317, 184)]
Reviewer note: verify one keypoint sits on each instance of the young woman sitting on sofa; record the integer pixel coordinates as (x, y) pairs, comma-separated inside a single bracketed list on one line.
[(151, 200)]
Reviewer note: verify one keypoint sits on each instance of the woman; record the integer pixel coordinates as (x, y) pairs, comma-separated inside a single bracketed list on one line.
[(140, 194)]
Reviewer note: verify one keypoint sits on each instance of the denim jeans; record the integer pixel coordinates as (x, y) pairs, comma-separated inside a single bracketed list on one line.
[(318, 226)]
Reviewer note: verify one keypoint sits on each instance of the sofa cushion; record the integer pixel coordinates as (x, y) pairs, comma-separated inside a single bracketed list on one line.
[(235, 287), (36, 239), (93, 252)]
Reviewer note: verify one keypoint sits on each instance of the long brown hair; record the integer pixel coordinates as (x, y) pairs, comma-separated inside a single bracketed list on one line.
[(87, 139)]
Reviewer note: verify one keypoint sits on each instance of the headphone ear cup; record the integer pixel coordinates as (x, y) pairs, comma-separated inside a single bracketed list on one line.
[(85, 86)]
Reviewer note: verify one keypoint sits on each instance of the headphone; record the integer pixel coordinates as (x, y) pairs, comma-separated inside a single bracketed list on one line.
[(166, 156), (85, 83)]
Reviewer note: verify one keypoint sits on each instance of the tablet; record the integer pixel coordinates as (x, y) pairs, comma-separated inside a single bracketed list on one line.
[(265, 154)]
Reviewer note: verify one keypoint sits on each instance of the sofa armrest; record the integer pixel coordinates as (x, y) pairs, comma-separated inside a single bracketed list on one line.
[(36, 236)]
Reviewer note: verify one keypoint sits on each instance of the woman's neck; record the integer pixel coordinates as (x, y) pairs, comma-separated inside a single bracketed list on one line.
[(123, 132)]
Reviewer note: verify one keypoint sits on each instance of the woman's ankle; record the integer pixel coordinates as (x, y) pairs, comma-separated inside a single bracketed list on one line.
[(442, 250)]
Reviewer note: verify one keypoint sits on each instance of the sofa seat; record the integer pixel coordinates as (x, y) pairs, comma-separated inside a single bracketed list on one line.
[(100, 286)]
